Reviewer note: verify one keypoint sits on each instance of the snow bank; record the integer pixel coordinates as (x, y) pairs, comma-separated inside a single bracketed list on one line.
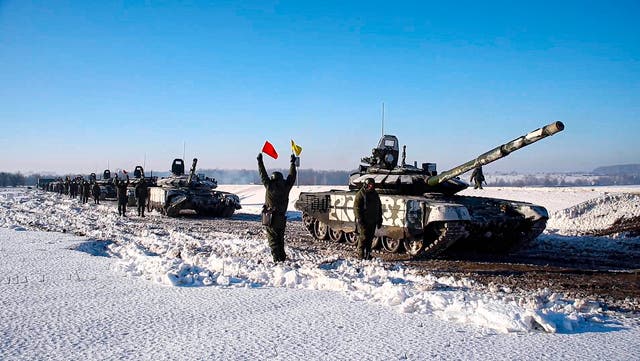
[(595, 214), (452, 299)]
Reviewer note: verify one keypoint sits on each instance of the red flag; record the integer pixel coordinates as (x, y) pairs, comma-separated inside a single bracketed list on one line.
[(269, 150)]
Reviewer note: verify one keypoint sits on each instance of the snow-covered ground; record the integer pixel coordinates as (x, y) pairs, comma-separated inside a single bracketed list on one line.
[(157, 289)]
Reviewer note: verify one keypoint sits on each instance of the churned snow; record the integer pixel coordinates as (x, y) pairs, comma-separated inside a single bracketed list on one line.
[(152, 289)]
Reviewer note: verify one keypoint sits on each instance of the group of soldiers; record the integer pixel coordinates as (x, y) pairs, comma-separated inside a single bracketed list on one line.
[(81, 188), (76, 188), (122, 196)]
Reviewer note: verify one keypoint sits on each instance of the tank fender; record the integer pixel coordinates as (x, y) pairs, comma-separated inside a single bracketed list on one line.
[(531, 211), (446, 212), (232, 200), (177, 200)]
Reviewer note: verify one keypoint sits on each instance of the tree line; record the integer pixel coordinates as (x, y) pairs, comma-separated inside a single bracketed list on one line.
[(338, 177), (559, 180), (18, 179)]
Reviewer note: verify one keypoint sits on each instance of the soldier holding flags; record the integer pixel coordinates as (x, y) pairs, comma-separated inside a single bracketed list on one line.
[(277, 199)]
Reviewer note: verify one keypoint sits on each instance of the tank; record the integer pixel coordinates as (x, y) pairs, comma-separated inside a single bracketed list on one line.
[(422, 214), (190, 192), (106, 184), (138, 176)]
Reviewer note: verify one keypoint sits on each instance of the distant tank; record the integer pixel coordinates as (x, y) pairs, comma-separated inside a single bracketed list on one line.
[(106, 184), (138, 176), (421, 212), (190, 192)]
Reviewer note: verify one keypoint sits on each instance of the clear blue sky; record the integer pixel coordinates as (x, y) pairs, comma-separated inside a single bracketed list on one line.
[(86, 84)]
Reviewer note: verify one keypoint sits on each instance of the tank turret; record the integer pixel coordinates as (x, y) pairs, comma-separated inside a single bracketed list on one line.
[(391, 178), (138, 172)]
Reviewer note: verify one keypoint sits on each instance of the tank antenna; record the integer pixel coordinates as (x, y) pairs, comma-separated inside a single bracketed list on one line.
[(383, 119), (184, 146)]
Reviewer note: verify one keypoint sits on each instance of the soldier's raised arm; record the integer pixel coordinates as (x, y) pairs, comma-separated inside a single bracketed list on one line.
[(293, 172), (263, 172)]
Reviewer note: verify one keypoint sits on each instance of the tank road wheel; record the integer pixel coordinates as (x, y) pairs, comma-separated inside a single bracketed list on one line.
[(336, 236), (351, 238), (391, 245), (307, 221), (320, 230), (413, 246)]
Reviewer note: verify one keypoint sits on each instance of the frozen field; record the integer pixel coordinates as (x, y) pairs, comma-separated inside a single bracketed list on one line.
[(122, 292)]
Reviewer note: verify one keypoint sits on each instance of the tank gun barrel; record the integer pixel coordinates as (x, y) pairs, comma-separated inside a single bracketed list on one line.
[(192, 171), (498, 152)]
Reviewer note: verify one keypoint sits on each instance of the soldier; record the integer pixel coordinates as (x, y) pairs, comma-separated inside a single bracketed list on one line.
[(95, 190), (276, 201), (368, 211), (86, 189), (477, 177), (73, 188), (67, 182), (141, 196), (121, 191)]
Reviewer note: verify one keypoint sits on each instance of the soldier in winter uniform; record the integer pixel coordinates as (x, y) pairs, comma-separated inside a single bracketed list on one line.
[(95, 190), (121, 191), (67, 182), (86, 190), (368, 211), (141, 196), (73, 188), (477, 177), (275, 203)]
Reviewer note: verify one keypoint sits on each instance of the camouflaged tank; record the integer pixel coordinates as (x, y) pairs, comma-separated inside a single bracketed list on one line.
[(421, 212), (190, 192)]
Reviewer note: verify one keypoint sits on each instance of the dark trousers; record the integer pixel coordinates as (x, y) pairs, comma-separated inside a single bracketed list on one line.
[(96, 199), (365, 238), (142, 202), (122, 208), (275, 236)]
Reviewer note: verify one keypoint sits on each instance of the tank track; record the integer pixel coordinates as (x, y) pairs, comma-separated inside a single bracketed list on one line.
[(449, 233)]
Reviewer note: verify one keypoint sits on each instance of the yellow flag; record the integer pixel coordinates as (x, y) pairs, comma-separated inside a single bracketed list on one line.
[(296, 148)]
